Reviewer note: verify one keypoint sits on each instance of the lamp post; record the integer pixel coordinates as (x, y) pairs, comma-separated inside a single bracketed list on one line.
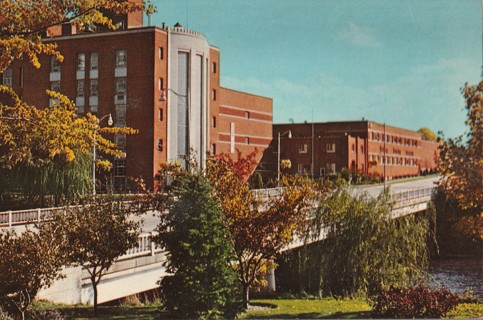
[(385, 159), (109, 122), (278, 162)]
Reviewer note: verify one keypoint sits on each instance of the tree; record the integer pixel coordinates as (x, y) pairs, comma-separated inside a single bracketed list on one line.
[(23, 22), (427, 134), (43, 149), (366, 250), (259, 229), (30, 261), (461, 161), (96, 233), (199, 251), (42, 138)]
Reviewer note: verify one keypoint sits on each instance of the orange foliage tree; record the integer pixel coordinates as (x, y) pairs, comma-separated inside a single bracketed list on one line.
[(461, 161), (259, 227)]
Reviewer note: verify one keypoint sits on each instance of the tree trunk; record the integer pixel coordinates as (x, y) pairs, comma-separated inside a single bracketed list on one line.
[(94, 288), (246, 295)]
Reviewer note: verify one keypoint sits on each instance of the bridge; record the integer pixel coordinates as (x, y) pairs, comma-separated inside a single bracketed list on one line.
[(142, 266)]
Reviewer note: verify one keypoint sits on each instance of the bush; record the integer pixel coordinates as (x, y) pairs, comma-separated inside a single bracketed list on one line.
[(414, 302), (4, 315), (45, 314)]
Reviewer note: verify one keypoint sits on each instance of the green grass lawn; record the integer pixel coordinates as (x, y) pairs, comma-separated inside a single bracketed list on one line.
[(274, 309), (311, 309)]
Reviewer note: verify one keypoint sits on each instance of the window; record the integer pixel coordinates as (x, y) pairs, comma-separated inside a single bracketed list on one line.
[(7, 77), (94, 61), (120, 168), (303, 148), (120, 115), (353, 148), (213, 67), (81, 61), (120, 140), (121, 59), (160, 84), (161, 53), (120, 97), (322, 171), (213, 94), (161, 116), (330, 147), (213, 148), (232, 137), (213, 122), (160, 145), (55, 86), (247, 114), (54, 64), (94, 88), (80, 88), (377, 136), (331, 168), (247, 140), (304, 168)]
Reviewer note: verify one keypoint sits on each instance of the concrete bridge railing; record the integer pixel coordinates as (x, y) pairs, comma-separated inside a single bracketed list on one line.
[(145, 246)]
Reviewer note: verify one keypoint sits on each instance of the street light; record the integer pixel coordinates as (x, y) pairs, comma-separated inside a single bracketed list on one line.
[(385, 159), (109, 122), (278, 162), (163, 94)]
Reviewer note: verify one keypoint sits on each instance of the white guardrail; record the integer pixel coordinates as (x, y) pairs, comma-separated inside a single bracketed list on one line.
[(21, 217), (408, 197), (145, 247)]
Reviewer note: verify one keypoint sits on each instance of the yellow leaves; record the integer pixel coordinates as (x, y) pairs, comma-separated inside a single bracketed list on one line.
[(104, 164), (22, 23), (36, 136)]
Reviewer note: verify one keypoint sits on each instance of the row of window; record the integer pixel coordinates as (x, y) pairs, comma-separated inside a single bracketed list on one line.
[(305, 168), (353, 148), (120, 62), (376, 136), (396, 161), (329, 148)]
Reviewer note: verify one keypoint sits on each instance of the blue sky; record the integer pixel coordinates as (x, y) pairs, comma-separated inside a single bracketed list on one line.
[(399, 62)]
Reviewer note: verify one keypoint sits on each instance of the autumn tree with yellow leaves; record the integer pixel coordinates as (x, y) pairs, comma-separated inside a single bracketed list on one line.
[(37, 139), (260, 228), (461, 160), (23, 21)]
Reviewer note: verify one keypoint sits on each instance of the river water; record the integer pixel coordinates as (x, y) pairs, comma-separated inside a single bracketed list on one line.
[(459, 275)]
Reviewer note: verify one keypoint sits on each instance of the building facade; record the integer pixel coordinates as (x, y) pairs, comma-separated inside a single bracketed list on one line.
[(362, 147), (165, 82)]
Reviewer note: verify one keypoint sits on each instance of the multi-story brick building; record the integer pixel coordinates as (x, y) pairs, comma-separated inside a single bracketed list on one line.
[(365, 147), (163, 81)]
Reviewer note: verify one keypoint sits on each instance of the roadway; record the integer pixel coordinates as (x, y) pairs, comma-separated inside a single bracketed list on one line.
[(397, 186), (151, 221)]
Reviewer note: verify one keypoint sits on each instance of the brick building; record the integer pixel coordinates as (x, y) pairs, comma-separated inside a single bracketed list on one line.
[(165, 82), (365, 147)]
